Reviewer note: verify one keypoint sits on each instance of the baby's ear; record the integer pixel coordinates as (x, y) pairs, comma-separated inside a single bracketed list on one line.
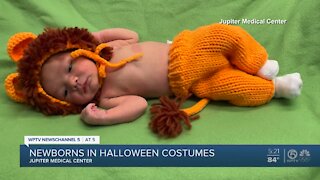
[(18, 43), (12, 88)]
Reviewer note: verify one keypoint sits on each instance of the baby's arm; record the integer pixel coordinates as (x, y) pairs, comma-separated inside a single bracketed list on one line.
[(116, 37), (117, 110)]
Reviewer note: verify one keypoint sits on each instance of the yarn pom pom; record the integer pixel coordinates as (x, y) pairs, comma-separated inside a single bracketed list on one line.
[(167, 118)]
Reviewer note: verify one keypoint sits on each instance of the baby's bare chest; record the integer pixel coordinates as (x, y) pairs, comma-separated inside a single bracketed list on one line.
[(147, 76)]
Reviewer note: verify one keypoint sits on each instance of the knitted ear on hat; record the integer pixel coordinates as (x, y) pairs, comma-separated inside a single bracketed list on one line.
[(13, 90), (17, 44), (167, 116)]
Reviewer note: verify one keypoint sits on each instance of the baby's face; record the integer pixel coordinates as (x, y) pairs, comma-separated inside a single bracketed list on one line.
[(72, 80)]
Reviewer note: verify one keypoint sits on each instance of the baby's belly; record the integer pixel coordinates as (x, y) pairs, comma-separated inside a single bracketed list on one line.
[(148, 76), (136, 83)]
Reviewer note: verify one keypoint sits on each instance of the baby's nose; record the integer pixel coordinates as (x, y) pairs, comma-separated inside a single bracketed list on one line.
[(73, 83)]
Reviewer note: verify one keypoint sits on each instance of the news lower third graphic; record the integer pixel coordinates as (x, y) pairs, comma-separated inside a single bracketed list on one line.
[(86, 151)]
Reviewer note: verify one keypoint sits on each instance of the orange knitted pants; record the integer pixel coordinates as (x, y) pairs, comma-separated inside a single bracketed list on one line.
[(235, 86), (219, 62)]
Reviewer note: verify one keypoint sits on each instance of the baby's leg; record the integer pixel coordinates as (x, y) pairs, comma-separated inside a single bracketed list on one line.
[(236, 87), (288, 86), (241, 49), (249, 56)]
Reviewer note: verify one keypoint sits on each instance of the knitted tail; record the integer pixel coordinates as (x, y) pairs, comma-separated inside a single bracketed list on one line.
[(167, 117)]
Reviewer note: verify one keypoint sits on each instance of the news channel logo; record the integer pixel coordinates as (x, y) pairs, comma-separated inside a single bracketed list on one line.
[(295, 156)]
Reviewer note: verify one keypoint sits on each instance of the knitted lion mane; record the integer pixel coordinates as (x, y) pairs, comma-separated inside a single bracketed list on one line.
[(50, 42)]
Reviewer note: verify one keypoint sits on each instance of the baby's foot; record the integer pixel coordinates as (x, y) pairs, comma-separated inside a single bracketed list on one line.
[(288, 86), (269, 70)]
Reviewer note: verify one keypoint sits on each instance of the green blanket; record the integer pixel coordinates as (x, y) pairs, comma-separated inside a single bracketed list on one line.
[(294, 44)]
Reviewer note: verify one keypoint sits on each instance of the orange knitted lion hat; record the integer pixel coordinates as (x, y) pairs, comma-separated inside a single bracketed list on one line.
[(30, 52)]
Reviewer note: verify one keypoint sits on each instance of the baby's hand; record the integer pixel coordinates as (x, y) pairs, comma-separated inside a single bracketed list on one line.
[(118, 44), (91, 114)]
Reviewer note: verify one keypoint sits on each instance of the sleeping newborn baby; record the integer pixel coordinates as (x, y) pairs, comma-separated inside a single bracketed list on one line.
[(107, 75)]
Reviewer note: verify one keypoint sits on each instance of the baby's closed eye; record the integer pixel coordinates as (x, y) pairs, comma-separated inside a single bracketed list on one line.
[(69, 68), (65, 94)]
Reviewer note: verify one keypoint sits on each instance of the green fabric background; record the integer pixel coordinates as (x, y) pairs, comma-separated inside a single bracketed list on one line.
[(295, 45)]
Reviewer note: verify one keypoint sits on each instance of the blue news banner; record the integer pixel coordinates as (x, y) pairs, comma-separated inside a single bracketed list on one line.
[(170, 155)]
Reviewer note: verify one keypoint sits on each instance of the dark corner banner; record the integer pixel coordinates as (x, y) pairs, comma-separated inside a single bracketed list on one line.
[(86, 155)]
